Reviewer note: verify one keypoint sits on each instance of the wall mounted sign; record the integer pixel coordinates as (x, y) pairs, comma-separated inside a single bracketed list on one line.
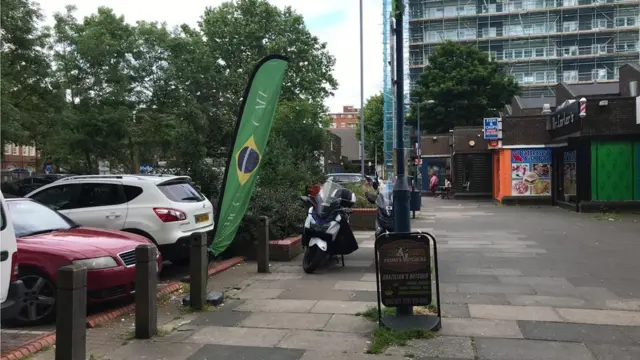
[(492, 127), (531, 172), (564, 116)]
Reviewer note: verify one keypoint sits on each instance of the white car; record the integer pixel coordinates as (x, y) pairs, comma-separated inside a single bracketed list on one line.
[(11, 289), (165, 209)]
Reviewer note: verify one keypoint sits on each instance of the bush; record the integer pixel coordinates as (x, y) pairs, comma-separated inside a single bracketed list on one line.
[(361, 199)]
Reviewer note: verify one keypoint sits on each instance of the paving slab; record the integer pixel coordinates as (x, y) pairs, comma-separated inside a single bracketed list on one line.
[(219, 318), (464, 298), (150, 350), (358, 263), (494, 289), (238, 336), (615, 352), (341, 307), (368, 277), (512, 349), (355, 285), (596, 294), (259, 294), (449, 278), (441, 347), (455, 310), (277, 276), (350, 324), (542, 300), (322, 340), (210, 352), (633, 332), (629, 305), (510, 254), (530, 280), (307, 293), (556, 290), (364, 296), (286, 321), (338, 355), (600, 317), (481, 328), (277, 305), (509, 312), (583, 333)]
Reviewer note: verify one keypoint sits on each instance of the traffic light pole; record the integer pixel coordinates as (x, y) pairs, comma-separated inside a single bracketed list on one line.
[(401, 193)]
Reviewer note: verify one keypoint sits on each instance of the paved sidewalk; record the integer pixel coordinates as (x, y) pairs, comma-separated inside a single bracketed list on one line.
[(518, 283)]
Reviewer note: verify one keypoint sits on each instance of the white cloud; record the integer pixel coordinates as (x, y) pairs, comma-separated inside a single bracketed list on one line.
[(343, 39)]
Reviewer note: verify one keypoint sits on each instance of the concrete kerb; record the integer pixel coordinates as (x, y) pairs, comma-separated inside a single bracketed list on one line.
[(43, 342)]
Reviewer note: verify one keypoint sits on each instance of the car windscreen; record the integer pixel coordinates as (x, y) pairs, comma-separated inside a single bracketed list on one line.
[(180, 192), (31, 218)]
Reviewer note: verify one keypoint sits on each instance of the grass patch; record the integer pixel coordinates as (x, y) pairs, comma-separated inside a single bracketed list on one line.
[(607, 216), (371, 313), (383, 338)]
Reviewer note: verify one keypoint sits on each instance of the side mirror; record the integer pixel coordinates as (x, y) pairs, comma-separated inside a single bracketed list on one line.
[(304, 199), (370, 197), (375, 184)]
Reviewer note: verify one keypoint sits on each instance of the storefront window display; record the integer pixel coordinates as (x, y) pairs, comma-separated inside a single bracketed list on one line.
[(531, 172), (569, 175)]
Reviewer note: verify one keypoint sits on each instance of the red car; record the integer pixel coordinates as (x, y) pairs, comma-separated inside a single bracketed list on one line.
[(48, 240)]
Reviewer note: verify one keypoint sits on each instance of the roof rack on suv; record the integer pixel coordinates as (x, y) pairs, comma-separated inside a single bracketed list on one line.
[(76, 177)]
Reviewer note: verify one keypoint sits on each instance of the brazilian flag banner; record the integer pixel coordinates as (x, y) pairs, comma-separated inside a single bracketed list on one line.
[(251, 135)]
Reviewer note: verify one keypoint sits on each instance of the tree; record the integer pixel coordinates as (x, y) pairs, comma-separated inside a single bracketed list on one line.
[(26, 94), (373, 126), (466, 86)]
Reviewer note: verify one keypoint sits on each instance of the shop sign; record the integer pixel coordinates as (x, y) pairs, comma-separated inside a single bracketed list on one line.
[(565, 116), (531, 172), (405, 272), (494, 144), (492, 128)]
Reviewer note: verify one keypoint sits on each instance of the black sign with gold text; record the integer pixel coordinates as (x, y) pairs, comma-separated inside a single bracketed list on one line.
[(405, 272)]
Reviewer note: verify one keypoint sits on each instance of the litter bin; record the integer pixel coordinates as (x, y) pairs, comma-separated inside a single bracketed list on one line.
[(416, 202)]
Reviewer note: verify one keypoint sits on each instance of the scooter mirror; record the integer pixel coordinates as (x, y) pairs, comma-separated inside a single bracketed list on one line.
[(304, 199), (375, 185), (370, 197)]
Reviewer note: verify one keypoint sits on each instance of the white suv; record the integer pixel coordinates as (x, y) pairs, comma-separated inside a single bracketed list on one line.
[(164, 209)]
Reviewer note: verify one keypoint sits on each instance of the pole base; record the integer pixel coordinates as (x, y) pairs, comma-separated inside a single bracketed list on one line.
[(409, 322)]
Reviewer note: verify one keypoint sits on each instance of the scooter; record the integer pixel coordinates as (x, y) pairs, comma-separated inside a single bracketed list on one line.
[(384, 206), (327, 231)]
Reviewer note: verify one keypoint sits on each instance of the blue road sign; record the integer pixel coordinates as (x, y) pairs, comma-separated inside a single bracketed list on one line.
[(491, 128)]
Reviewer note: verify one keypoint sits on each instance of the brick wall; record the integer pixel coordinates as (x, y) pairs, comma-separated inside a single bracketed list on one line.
[(628, 73), (525, 130), (618, 117)]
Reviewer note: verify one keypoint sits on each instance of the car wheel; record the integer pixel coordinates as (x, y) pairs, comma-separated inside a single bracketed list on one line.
[(39, 302)]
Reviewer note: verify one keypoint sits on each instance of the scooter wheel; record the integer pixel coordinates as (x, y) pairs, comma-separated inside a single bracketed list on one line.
[(312, 258)]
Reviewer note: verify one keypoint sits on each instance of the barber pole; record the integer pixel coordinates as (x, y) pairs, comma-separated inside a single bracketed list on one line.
[(583, 107)]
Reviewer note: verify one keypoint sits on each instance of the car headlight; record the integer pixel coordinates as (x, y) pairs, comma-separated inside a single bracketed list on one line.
[(97, 263)]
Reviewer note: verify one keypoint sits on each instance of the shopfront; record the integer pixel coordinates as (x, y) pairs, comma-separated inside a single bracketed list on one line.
[(524, 175), (596, 158)]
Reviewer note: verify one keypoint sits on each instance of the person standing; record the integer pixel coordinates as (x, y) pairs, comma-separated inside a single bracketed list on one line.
[(433, 184)]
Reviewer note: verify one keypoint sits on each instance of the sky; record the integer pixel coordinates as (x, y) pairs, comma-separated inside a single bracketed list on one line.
[(335, 22)]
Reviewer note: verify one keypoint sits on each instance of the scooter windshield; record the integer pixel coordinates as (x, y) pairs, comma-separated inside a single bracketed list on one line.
[(326, 201), (385, 196)]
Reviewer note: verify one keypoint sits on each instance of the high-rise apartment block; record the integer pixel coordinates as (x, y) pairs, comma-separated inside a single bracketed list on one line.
[(540, 42)]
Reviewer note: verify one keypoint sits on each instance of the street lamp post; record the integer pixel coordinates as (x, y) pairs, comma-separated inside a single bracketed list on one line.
[(401, 192), (361, 93)]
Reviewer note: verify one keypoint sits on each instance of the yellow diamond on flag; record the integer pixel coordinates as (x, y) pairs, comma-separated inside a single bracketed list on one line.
[(247, 160)]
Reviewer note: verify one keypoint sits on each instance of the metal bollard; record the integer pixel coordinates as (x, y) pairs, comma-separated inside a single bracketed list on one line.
[(262, 250), (71, 321), (198, 271), (146, 291)]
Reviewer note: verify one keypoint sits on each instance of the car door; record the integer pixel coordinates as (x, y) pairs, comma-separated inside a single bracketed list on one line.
[(60, 197), (7, 248), (100, 204)]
